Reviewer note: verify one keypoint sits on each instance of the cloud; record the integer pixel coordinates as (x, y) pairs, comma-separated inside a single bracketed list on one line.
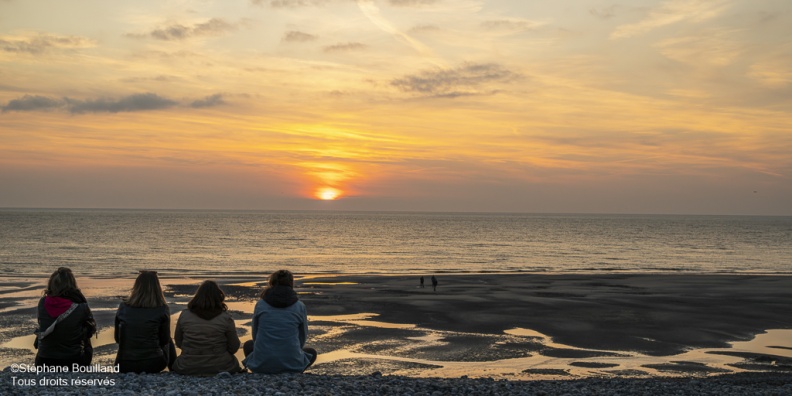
[(774, 73), (412, 3), (604, 12), (135, 102), (424, 28), (159, 78), (294, 36), (461, 81), (209, 101), (711, 47), (42, 43), (344, 47), (295, 3), (32, 103), (131, 103), (671, 12), (212, 27), (512, 24)]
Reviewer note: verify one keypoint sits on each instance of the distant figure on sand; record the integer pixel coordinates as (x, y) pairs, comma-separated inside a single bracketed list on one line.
[(422, 286), (434, 283), (280, 328)]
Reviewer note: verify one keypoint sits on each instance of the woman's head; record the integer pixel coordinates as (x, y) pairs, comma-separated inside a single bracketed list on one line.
[(281, 277), (147, 292), (61, 283), (278, 278), (208, 299)]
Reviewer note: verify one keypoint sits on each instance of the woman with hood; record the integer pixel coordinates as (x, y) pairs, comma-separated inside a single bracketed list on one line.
[(206, 334), (65, 323), (280, 328), (142, 328)]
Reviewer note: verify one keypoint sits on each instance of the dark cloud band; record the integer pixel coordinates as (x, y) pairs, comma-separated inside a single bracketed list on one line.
[(131, 103)]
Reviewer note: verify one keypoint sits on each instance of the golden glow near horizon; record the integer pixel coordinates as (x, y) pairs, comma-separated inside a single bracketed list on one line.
[(328, 194), (653, 106)]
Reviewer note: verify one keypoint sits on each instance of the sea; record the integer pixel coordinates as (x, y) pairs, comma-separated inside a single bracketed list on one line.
[(118, 243)]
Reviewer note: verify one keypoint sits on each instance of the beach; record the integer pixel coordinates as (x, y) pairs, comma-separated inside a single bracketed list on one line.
[(513, 327)]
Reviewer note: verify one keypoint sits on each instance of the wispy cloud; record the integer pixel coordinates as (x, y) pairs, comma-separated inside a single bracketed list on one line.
[(711, 47), (295, 36), (41, 43), (773, 73), (604, 12), (131, 103), (461, 81), (345, 47), (209, 101), (671, 12), (212, 27), (412, 3), (512, 24), (296, 3)]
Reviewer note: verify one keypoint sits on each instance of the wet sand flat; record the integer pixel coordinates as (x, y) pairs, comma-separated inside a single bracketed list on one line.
[(514, 325), (651, 314)]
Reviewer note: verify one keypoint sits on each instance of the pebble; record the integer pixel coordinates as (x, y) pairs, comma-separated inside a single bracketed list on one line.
[(169, 384)]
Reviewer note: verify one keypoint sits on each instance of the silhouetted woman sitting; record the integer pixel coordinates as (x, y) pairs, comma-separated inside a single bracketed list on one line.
[(280, 327), (142, 328), (65, 323), (206, 334)]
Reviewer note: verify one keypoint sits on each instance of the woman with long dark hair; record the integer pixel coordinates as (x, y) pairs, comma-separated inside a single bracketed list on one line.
[(65, 323), (206, 334), (142, 328), (280, 328)]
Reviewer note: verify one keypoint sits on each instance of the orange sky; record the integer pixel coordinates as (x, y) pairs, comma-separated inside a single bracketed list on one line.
[(678, 106)]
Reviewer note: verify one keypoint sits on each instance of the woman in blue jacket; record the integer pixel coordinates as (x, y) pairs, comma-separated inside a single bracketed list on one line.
[(280, 327)]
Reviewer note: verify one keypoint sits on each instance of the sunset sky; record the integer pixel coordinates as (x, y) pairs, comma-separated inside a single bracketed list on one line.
[(626, 106)]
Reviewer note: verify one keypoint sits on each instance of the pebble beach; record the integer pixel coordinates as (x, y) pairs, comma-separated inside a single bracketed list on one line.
[(168, 384)]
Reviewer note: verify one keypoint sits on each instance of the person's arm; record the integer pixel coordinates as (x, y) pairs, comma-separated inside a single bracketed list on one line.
[(164, 330), (254, 325), (232, 339), (178, 337), (117, 329), (304, 326), (90, 323)]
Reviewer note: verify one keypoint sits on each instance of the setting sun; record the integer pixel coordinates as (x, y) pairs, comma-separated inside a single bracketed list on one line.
[(328, 194)]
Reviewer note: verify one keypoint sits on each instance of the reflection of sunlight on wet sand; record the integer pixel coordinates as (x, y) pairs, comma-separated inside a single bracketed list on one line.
[(773, 342)]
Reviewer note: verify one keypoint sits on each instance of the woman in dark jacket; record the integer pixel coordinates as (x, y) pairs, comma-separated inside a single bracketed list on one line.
[(207, 335), (65, 323), (142, 328)]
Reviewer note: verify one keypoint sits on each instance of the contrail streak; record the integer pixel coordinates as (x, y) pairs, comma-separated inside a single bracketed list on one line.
[(372, 12)]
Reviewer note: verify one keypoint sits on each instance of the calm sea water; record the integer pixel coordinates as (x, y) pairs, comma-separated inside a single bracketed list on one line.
[(107, 242)]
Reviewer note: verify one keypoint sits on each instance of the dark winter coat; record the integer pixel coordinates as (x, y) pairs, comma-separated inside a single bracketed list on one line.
[(71, 336), (142, 333)]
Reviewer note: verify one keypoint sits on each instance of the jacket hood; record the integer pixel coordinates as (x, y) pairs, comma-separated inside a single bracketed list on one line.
[(55, 306), (280, 296)]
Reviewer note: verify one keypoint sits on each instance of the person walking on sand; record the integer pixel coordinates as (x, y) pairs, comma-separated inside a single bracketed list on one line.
[(206, 334), (434, 283), (142, 328), (65, 323), (422, 283), (280, 328)]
